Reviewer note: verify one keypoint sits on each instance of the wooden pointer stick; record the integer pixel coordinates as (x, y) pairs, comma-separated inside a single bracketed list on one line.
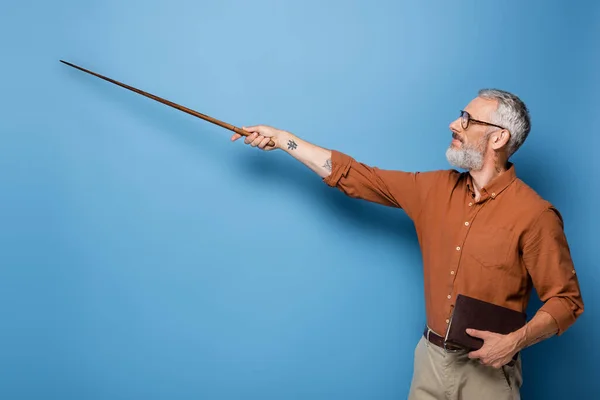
[(169, 103)]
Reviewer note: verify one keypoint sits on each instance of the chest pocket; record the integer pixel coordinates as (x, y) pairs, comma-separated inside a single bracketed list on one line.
[(490, 246)]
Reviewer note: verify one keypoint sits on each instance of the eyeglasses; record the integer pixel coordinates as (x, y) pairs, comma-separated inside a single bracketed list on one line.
[(465, 119)]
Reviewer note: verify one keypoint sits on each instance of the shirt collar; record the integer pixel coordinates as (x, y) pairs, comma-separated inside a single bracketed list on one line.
[(496, 185)]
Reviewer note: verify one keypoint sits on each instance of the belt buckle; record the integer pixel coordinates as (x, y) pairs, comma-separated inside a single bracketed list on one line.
[(447, 350)]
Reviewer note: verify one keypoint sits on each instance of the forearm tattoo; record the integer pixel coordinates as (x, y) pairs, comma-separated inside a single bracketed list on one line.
[(327, 165), (292, 145)]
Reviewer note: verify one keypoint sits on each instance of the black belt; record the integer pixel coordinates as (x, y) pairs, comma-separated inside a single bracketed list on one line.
[(440, 342)]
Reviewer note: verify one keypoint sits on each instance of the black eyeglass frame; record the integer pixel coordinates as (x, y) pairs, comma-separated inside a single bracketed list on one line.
[(469, 119)]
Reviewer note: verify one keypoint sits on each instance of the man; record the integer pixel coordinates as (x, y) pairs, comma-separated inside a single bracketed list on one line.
[(483, 233)]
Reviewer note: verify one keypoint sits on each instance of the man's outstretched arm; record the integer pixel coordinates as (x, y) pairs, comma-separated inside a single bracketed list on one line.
[(392, 188), (318, 159)]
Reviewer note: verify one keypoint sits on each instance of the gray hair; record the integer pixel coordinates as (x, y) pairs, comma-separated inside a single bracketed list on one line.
[(511, 114)]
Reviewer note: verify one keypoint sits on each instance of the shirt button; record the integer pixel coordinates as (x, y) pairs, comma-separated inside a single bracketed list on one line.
[(493, 195), (449, 296), (470, 204), (447, 321), (458, 248), (451, 272), (573, 271), (467, 223)]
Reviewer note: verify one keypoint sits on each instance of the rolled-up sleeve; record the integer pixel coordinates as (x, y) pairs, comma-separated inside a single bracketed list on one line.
[(548, 259), (387, 187)]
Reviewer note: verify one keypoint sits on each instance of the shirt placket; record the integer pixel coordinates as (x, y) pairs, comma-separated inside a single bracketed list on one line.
[(473, 208)]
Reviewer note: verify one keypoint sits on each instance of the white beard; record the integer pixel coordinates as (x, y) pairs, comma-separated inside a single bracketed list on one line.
[(468, 157)]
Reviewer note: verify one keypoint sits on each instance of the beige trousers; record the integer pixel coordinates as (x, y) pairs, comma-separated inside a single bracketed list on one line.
[(454, 376)]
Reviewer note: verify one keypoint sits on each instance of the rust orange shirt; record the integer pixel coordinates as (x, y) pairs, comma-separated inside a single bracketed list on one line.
[(494, 249)]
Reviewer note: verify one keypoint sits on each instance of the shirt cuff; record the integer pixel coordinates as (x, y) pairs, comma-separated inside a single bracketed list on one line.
[(561, 313), (340, 164)]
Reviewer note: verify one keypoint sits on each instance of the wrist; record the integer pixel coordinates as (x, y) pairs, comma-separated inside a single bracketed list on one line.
[(283, 140), (518, 339)]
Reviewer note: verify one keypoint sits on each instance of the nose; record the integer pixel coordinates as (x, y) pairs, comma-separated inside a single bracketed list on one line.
[(455, 126)]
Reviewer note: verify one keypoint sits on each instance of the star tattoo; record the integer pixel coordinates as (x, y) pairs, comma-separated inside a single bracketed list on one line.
[(292, 145)]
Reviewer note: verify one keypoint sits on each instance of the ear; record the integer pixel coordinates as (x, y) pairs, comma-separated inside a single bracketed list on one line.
[(500, 139)]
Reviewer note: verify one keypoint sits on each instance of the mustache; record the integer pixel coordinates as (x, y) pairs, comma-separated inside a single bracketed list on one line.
[(455, 136)]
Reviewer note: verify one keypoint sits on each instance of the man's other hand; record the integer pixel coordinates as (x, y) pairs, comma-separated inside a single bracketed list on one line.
[(497, 349)]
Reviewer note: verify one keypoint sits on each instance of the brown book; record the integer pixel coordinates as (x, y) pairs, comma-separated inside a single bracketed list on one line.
[(481, 315)]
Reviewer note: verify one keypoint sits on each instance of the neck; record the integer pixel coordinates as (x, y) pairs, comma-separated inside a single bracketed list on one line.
[(488, 173)]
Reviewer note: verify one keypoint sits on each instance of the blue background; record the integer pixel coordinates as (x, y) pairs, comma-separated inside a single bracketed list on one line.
[(144, 255)]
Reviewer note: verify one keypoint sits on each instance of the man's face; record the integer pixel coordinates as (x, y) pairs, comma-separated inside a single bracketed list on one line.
[(469, 147)]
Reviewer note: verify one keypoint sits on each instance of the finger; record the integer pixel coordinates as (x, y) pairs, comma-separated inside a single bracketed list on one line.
[(250, 138), (482, 360), (478, 334), (255, 128), (235, 137), (257, 141), (475, 354), (264, 142)]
